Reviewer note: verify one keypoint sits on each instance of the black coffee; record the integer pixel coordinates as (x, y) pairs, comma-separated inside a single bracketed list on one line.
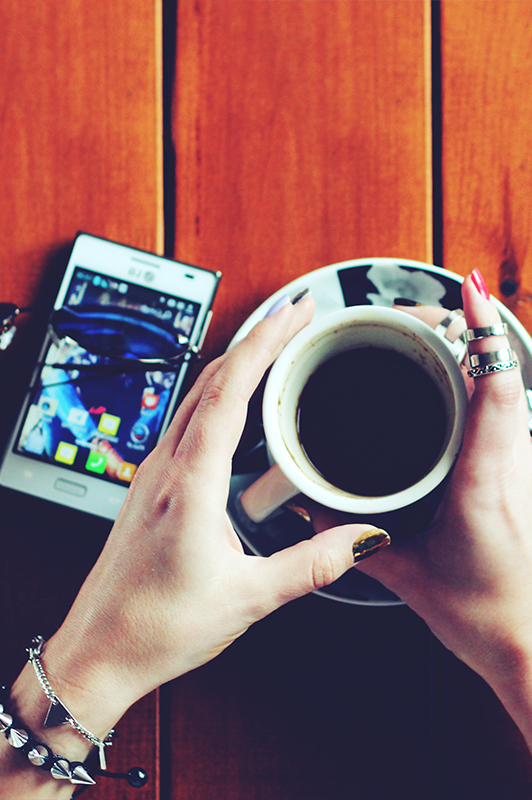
[(371, 421)]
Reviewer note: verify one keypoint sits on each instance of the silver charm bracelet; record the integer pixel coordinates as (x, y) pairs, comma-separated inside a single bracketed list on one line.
[(58, 713)]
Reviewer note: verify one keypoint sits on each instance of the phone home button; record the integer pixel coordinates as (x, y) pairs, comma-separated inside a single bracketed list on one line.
[(70, 487)]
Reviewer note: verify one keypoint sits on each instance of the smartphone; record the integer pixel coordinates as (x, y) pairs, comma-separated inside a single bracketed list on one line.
[(124, 326)]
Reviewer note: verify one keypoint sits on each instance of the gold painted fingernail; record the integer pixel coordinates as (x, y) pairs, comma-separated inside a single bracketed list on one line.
[(369, 543)]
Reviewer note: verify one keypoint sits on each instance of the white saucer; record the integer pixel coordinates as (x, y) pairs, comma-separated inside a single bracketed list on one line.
[(375, 281)]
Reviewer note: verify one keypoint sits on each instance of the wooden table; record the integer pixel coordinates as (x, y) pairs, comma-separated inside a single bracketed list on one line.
[(267, 139)]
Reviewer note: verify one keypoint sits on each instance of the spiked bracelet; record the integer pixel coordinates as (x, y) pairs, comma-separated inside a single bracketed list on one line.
[(38, 753), (58, 713)]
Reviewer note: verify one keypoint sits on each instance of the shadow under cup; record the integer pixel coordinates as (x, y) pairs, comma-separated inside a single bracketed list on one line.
[(319, 421)]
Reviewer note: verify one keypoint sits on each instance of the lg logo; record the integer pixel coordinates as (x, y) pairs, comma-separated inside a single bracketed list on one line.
[(136, 272)]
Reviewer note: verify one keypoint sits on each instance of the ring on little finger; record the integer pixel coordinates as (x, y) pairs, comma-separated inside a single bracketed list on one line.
[(457, 344)]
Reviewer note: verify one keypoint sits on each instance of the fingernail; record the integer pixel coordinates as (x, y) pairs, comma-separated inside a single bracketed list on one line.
[(480, 284), (404, 301), (301, 296), (282, 301), (369, 543)]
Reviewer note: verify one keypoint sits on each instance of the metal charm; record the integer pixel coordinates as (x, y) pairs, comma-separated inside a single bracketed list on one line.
[(38, 755), (60, 769), (58, 714), (18, 737), (6, 720), (79, 775)]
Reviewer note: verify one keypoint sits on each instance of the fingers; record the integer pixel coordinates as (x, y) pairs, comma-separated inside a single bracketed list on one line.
[(498, 407), (296, 318), (312, 564), (432, 315), (206, 429)]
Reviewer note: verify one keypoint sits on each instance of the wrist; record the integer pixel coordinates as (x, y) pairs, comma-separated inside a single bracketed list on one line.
[(75, 676), (36, 762), (66, 689), (511, 680)]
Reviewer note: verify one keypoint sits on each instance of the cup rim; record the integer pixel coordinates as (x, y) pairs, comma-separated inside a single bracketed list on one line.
[(334, 497)]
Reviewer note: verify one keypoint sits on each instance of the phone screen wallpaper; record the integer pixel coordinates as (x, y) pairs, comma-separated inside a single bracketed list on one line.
[(94, 415)]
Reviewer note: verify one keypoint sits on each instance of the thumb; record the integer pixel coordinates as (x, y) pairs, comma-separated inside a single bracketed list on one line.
[(317, 562)]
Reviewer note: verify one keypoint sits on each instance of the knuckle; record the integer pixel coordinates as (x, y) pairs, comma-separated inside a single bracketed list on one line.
[(213, 391), (506, 392), (210, 370), (170, 491), (324, 569), (216, 384)]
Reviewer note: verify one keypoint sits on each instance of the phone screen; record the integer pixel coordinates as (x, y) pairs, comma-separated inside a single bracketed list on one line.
[(94, 416)]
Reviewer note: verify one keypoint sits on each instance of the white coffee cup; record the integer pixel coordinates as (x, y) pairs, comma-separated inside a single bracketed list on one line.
[(346, 329)]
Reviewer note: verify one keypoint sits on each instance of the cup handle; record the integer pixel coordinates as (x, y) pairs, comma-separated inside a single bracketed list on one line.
[(267, 494)]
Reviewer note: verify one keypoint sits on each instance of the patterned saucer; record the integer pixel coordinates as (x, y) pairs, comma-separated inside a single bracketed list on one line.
[(369, 281)]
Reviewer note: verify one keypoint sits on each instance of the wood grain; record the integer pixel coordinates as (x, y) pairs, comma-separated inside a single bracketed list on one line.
[(302, 139), (81, 131), (487, 141), (80, 148), (487, 217)]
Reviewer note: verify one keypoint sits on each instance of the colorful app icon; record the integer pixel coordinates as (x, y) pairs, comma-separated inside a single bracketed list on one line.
[(109, 424), (149, 399), (126, 471), (77, 416), (66, 452), (96, 462), (139, 433), (47, 406)]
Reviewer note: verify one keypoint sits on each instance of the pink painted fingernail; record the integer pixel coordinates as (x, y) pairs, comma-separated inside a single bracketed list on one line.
[(480, 284)]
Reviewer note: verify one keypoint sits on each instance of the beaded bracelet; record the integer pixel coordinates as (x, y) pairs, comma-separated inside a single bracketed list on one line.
[(60, 768), (38, 753)]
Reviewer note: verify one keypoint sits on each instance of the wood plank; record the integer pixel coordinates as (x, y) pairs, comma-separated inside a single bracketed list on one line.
[(80, 148), (301, 134), (487, 177), (302, 139), (487, 140), (320, 700), (81, 144)]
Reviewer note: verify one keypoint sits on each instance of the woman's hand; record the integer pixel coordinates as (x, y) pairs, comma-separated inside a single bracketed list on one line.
[(173, 587), (470, 575)]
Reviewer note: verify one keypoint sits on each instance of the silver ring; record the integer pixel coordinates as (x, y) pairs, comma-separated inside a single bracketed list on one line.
[(493, 357), (499, 329), (458, 345), (441, 327), (477, 372)]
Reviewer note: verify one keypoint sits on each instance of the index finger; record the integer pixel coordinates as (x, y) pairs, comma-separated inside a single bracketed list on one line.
[(219, 408)]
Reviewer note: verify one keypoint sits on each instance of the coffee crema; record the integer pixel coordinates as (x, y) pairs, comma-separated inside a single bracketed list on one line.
[(371, 421)]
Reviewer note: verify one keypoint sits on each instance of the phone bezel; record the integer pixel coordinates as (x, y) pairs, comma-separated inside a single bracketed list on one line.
[(145, 269)]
